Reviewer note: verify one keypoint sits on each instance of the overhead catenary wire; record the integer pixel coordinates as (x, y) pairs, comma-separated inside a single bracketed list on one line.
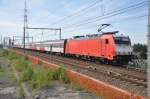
[(78, 12), (106, 17), (114, 13), (93, 26), (83, 11)]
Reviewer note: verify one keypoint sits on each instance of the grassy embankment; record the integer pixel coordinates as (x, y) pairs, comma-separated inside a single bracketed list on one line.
[(36, 76)]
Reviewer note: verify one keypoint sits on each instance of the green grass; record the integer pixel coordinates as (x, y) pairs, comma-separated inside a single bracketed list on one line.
[(18, 61), (12, 56), (1, 69), (27, 74), (3, 53), (60, 74), (21, 92), (40, 78), (37, 77), (21, 64)]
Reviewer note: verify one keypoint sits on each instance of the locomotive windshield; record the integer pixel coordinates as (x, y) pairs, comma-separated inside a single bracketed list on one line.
[(122, 40)]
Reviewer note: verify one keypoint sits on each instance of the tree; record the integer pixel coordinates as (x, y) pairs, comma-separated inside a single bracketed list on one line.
[(141, 49)]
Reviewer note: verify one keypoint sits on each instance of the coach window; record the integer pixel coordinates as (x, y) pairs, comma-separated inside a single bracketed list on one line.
[(106, 41)]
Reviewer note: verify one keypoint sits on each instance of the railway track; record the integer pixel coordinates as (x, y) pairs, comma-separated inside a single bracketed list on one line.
[(141, 81), (137, 79)]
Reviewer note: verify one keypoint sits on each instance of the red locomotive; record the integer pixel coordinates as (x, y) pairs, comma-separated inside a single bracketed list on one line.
[(107, 48)]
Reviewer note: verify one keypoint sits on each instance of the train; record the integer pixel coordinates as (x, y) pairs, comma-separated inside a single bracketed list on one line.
[(107, 48)]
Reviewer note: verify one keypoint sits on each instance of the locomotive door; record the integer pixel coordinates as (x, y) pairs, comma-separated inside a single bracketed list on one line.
[(104, 47)]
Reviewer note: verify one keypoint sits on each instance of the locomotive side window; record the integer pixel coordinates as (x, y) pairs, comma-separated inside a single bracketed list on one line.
[(106, 41)]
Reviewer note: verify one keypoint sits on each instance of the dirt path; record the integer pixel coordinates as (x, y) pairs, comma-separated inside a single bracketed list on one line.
[(8, 85), (23, 85)]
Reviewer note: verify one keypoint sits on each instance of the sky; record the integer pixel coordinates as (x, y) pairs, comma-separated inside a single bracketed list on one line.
[(75, 17)]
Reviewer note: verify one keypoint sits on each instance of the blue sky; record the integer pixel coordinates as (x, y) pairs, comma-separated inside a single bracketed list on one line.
[(48, 13)]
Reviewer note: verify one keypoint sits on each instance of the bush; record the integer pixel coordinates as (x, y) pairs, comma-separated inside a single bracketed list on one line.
[(50, 74), (60, 74), (62, 77), (21, 92), (40, 79), (3, 53), (27, 74), (141, 49), (12, 56), (1, 69), (21, 64)]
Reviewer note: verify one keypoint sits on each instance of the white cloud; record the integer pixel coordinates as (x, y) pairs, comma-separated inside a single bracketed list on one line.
[(9, 24)]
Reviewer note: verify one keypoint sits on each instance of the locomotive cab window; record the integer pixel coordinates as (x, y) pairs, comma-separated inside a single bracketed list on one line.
[(122, 40), (106, 41)]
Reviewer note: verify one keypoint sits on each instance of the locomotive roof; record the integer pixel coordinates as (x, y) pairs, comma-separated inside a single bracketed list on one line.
[(95, 35)]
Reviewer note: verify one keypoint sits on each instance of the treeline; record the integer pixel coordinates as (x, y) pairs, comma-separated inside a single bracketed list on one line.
[(141, 50)]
